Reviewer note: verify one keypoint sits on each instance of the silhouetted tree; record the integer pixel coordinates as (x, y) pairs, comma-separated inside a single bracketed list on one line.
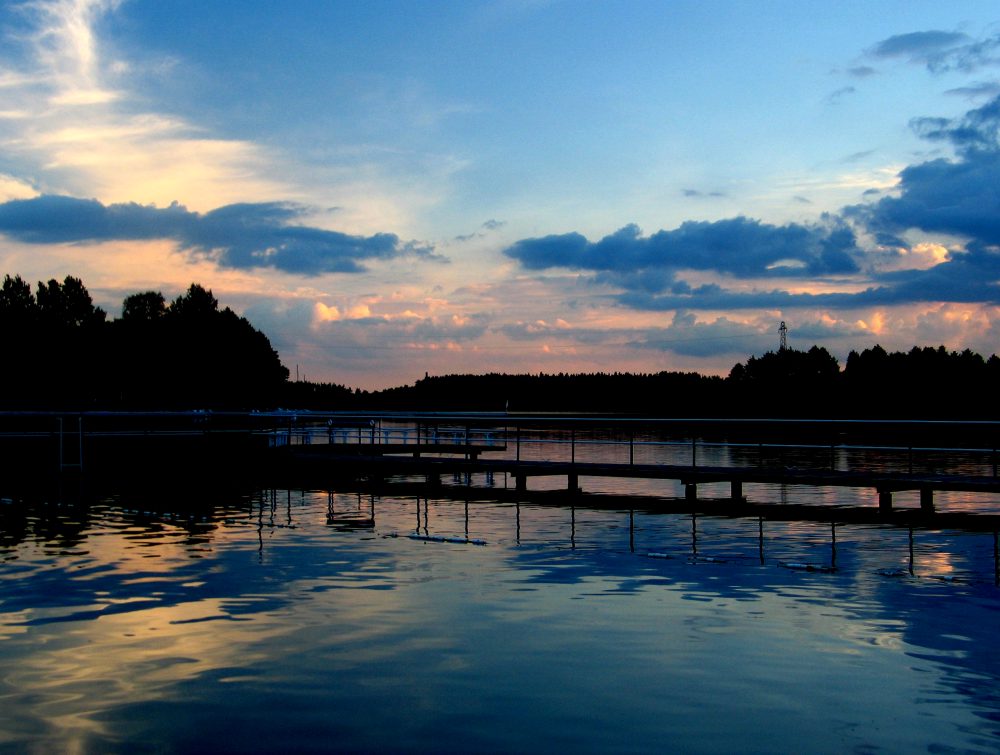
[(68, 305), (145, 307)]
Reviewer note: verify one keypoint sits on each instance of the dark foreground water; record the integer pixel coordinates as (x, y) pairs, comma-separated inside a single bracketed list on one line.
[(311, 621)]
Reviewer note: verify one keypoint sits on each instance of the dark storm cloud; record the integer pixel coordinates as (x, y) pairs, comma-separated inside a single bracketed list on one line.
[(237, 236), (738, 246)]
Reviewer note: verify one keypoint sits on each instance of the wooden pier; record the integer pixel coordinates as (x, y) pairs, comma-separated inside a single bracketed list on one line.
[(885, 457), (432, 461)]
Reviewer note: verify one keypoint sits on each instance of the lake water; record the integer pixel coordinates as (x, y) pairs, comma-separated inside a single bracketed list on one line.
[(313, 620)]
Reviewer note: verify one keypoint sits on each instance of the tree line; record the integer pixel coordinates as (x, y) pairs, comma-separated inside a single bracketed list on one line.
[(62, 352), (923, 383)]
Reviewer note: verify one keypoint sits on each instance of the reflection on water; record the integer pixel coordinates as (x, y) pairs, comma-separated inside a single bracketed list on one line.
[(308, 620)]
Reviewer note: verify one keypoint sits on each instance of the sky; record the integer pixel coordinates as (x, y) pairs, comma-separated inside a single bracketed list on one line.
[(393, 189)]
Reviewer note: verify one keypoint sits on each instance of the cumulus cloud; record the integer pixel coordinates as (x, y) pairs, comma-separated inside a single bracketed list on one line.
[(739, 246), (261, 235), (956, 199)]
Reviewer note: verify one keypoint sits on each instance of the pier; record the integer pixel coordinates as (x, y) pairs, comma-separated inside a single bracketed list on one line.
[(819, 454), (387, 463), (884, 458)]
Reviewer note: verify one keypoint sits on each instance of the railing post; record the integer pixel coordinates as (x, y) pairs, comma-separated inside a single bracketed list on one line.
[(572, 446), (694, 452), (518, 431)]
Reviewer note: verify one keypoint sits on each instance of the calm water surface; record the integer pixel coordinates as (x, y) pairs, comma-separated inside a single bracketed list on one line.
[(311, 621)]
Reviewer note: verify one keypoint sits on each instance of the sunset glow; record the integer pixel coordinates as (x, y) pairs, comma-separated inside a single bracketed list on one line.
[(369, 183)]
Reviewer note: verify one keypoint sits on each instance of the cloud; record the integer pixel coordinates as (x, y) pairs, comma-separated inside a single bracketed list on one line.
[(977, 130), (834, 97), (738, 246), (484, 229), (976, 90), (691, 193), (952, 199), (958, 197), (862, 72), (858, 156), (940, 51), (244, 236)]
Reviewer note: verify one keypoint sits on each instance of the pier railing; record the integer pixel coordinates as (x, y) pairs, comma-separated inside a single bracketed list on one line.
[(957, 447)]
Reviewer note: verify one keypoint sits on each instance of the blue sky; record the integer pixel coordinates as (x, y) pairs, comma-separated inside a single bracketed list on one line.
[(394, 188)]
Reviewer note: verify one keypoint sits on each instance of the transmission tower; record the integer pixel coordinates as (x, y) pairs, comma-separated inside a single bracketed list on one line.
[(782, 336)]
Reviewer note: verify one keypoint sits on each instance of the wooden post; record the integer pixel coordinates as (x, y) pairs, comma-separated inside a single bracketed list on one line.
[(691, 491), (885, 501), (736, 490), (631, 450), (927, 500), (520, 481), (574, 482)]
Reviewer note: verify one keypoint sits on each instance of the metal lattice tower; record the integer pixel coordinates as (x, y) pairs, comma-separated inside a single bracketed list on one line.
[(782, 336)]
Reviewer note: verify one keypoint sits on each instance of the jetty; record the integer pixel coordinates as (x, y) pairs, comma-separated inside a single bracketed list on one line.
[(820, 454), (303, 448)]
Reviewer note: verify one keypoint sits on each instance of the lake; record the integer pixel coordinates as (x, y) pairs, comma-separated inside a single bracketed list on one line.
[(332, 621)]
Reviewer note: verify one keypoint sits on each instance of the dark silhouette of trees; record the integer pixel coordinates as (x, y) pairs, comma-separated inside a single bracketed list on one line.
[(785, 383), (922, 383), (194, 354), (146, 307), (52, 339), (63, 353)]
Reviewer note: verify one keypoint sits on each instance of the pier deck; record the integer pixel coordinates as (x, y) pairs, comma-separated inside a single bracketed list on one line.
[(341, 460)]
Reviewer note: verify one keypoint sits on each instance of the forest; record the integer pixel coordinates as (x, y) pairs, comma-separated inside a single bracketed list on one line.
[(64, 353)]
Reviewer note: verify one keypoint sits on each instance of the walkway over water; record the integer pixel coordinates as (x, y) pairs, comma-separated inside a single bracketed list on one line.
[(886, 457), (385, 462)]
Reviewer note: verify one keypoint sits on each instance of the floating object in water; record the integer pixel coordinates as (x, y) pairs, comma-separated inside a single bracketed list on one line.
[(447, 539), (654, 554), (709, 560), (945, 577), (799, 566)]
